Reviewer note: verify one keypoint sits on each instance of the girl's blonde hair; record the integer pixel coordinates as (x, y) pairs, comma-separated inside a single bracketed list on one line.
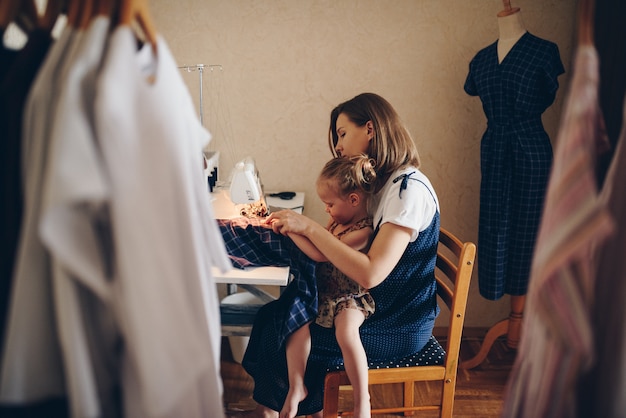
[(391, 147), (349, 174)]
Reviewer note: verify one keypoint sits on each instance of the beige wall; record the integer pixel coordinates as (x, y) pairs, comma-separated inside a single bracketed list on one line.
[(286, 63)]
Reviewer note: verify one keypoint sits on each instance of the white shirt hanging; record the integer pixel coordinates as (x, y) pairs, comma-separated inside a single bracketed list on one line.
[(166, 300)]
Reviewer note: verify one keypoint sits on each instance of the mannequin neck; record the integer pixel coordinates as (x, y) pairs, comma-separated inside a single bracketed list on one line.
[(511, 29), (511, 26)]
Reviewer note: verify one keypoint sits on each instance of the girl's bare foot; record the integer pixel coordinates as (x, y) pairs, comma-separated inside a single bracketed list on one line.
[(363, 409), (294, 397)]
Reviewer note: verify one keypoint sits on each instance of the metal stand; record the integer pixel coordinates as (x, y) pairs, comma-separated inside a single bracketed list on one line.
[(200, 68)]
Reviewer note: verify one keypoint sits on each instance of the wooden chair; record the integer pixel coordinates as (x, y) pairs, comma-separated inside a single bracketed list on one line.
[(455, 262)]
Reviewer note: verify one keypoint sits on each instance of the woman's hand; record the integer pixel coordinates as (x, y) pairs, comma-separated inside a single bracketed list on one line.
[(287, 221)]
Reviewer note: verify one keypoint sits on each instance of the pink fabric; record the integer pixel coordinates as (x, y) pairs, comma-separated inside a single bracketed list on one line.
[(557, 337), (605, 388)]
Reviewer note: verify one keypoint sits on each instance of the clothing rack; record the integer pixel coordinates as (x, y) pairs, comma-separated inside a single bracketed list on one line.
[(200, 68)]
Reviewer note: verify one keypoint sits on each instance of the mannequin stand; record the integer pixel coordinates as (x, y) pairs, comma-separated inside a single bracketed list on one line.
[(511, 327)]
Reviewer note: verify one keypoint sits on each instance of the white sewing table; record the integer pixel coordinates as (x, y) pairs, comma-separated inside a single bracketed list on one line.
[(237, 318)]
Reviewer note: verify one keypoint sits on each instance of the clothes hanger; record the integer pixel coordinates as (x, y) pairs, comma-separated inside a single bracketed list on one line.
[(27, 18), (24, 14), (21, 12), (81, 12), (86, 13), (51, 14), (508, 10), (74, 10), (136, 11), (8, 12), (102, 8), (586, 14)]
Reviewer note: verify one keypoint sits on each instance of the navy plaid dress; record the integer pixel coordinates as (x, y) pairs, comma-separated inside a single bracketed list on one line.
[(515, 157), (250, 244)]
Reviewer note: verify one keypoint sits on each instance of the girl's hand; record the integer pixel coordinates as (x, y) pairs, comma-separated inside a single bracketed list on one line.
[(287, 221)]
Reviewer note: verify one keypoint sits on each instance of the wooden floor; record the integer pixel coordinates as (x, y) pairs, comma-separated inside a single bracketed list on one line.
[(478, 392)]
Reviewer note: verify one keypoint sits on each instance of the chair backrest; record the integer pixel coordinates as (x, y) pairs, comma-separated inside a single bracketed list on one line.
[(455, 263)]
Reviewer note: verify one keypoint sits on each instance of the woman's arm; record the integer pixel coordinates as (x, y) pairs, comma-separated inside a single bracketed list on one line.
[(367, 269)]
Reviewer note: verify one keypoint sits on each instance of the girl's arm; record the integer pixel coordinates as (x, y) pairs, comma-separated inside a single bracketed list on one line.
[(307, 247), (367, 269), (356, 239)]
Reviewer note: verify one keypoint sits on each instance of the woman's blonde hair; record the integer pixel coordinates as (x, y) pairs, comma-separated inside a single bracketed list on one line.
[(349, 174), (391, 147)]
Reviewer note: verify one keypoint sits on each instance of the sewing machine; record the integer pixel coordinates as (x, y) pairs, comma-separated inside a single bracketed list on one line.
[(243, 197), (245, 185), (238, 309)]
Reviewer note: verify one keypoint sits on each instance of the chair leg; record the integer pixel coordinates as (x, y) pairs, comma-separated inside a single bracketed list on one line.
[(447, 400), (331, 396), (409, 396)]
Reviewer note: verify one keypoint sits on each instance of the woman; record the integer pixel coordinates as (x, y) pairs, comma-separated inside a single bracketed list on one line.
[(398, 268)]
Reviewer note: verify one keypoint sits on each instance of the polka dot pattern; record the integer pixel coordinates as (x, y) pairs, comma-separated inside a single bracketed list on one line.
[(432, 354)]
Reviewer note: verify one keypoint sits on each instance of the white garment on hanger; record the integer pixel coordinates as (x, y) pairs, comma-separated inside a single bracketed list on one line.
[(165, 296), (75, 194)]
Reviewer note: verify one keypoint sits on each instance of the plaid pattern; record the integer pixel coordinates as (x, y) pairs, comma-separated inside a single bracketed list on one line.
[(250, 244), (516, 156)]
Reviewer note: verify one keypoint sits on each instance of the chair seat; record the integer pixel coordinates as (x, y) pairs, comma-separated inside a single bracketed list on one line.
[(432, 354)]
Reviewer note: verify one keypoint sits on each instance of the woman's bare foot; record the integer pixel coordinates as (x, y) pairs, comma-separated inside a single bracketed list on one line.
[(295, 395)]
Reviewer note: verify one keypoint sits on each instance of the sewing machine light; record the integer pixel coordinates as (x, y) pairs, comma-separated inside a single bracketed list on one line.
[(245, 195), (245, 186)]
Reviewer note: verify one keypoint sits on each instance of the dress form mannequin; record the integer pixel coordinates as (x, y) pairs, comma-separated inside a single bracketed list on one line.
[(511, 29)]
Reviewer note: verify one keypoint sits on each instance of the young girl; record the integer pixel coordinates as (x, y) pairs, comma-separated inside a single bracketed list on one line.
[(343, 186)]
